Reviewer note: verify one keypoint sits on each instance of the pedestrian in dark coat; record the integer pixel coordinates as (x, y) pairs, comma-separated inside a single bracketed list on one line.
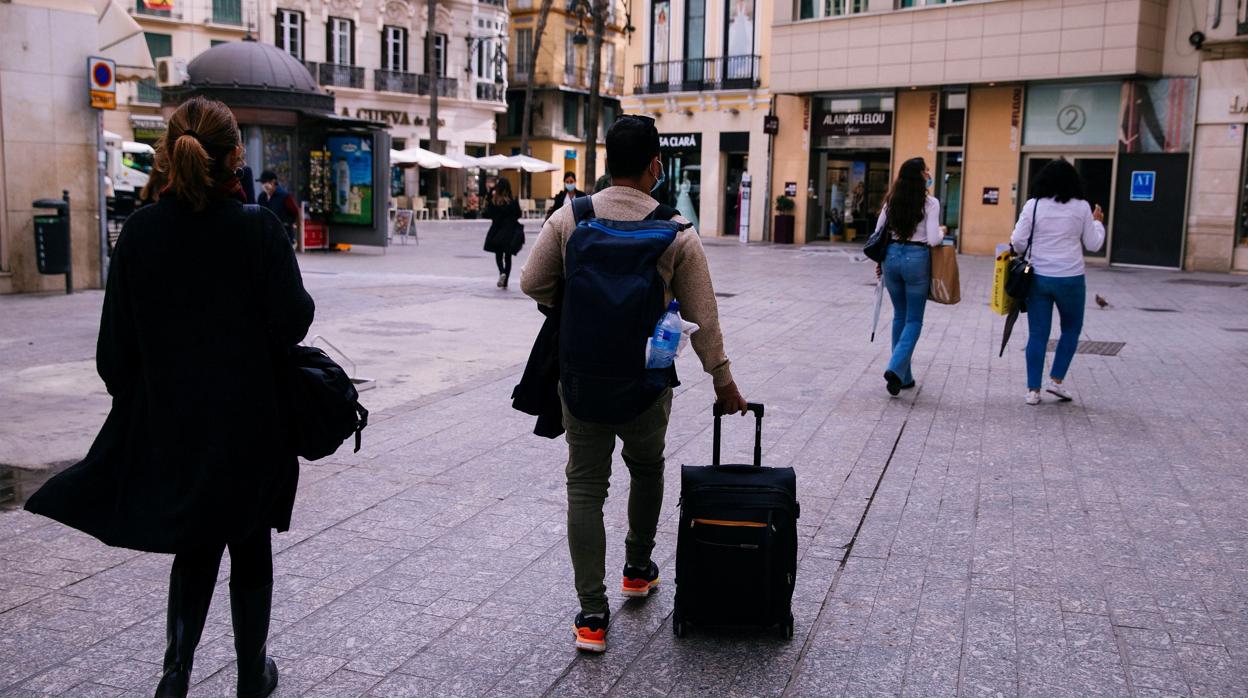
[(204, 298), (505, 229)]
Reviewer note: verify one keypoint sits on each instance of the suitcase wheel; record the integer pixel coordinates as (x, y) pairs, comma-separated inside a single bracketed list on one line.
[(786, 628), (678, 626)]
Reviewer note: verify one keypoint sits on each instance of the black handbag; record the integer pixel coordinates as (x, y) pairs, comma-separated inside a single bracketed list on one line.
[(517, 239), (1019, 273), (323, 404), (876, 248)]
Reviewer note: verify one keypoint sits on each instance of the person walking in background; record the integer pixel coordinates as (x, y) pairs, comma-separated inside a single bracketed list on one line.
[(504, 213), (193, 457), (638, 408), (1057, 224), (568, 192), (911, 218), (280, 202)]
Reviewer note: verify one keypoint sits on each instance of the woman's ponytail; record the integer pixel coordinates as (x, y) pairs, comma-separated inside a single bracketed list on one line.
[(198, 151)]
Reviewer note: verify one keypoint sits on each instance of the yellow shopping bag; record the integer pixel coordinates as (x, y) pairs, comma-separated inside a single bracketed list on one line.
[(1001, 303)]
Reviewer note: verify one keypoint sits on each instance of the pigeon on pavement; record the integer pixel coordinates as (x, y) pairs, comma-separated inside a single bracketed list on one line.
[(1101, 302)]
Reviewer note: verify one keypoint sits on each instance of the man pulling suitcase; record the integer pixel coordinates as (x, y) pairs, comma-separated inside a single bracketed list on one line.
[(620, 258)]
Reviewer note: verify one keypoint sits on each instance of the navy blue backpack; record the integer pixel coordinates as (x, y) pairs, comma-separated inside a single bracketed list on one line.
[(613, 298)]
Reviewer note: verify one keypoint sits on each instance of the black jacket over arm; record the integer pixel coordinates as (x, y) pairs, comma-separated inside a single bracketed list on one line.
[(198, 309)]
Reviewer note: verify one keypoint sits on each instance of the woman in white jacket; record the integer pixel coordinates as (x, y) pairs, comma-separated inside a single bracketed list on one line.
[(1064, 225)]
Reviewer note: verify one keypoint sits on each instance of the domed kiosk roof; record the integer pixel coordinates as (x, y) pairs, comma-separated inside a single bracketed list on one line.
[(248, 73), (250, 63)]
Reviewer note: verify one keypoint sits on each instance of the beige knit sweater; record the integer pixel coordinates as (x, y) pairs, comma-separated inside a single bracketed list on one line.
[(683, 268)]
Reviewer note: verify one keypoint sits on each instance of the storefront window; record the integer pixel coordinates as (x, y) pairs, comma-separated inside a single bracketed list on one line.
[(1072, 114), (1157, 116), (681, 154), (1242, 233), (852, 144), (951, 128)]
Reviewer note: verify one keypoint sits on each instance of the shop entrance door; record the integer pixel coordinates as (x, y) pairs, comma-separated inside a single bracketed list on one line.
[(736, 166), (1097, 173)]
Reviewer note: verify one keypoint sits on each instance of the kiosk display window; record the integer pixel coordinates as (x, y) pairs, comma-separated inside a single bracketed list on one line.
[(351, 180)]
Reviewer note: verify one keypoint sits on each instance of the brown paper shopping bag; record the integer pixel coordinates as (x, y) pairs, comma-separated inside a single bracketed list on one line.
[(945, 287)]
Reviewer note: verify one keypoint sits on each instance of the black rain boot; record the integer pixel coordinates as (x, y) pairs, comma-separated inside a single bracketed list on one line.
[(249, 609), (189, 597)]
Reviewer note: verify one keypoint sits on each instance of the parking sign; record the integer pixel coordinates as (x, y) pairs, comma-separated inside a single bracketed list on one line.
[(1143, 185), (101, 78)]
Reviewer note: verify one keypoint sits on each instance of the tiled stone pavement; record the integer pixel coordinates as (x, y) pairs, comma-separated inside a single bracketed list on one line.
[(953, 541)]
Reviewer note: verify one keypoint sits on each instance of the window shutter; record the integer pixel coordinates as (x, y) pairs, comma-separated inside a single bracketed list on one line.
[(385, 50), (406, 48), (302, 43), (351, 39), (278, 40), (329, 41)]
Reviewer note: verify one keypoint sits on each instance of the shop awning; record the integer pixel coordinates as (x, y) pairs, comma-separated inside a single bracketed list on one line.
[(516, 162), (121, 39)]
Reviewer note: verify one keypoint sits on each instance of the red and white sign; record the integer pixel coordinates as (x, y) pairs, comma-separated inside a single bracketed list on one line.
[(315, 235)]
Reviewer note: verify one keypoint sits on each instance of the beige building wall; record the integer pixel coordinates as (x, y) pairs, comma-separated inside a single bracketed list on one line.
[(914, 134), (992, 157), (790, 161), (994, 41), (47, 137), (1217, 172)]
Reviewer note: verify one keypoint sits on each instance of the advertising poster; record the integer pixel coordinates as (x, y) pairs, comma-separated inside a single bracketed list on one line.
[(740, 39), (351, 180)]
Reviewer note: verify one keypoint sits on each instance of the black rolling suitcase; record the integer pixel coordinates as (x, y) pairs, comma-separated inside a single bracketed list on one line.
[(736, 553)]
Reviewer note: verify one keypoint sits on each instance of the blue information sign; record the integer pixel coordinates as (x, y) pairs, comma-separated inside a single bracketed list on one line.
[(1143, 185)]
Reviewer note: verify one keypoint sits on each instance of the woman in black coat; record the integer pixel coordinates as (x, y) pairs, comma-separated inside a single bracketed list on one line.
[(204, 298), (506, 234)]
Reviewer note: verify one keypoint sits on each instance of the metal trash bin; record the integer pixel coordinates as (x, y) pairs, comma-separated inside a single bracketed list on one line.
[(53, 254)]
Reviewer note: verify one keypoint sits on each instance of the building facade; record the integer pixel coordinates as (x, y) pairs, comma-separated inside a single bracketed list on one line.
[(987, 92), (561, 76), (371, 57), (701, 70), (1218, 222), (182, 31)]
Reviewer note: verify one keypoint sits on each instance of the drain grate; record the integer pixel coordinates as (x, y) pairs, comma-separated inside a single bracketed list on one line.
[(1095, 348), (1159, 310), (1208, 282)]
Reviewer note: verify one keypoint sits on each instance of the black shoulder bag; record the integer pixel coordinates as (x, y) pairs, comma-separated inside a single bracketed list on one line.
[(876, 248), (1019, 273)]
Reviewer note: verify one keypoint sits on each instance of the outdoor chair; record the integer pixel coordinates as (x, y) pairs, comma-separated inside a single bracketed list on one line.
[(420, 209), (444, 208)]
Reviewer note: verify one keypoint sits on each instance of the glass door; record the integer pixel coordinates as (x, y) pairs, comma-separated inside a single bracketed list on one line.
[(1097, 173)]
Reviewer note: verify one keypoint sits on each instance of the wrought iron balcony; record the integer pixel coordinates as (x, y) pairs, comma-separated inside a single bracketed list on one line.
[(697, 75), (394, 81), (491, 91), (447, 87), (336, 75)]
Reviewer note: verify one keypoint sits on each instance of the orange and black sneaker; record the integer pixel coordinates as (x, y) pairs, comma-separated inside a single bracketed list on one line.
[(640, 581), (591, 632)]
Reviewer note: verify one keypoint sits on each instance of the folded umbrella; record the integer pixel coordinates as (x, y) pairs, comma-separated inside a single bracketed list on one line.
[(1009, 328), (879, 300)]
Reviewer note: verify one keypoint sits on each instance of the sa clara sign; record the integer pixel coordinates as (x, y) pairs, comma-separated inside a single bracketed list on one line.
[(1143, 185), (679, 141)]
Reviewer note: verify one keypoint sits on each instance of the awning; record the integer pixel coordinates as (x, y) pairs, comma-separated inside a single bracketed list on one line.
[(529, 164), (121, 39)]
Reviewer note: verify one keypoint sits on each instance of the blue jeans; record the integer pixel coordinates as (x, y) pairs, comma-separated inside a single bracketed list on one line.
[(907, 275), (1068, 293)]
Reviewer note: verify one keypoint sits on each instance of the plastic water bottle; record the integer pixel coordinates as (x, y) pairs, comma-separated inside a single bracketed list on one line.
[(666, 338)]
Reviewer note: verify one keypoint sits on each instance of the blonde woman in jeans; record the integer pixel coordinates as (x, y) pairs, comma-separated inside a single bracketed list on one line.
[(1065, 224)]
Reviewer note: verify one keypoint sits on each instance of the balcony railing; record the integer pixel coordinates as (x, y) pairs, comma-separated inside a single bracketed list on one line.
[(227, 12), (491, 91), (496, 3), (337, 75), (148, 92), (447, 87), (697, 74), (394, 81)]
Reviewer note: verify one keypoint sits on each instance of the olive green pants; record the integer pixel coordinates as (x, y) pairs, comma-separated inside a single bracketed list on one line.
[(590, 447)]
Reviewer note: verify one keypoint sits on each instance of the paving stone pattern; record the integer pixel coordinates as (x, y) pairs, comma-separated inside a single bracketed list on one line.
[(954, 541)]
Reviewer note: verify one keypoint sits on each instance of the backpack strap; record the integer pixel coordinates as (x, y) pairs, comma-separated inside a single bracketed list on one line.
[(663, 212), (583, 209)]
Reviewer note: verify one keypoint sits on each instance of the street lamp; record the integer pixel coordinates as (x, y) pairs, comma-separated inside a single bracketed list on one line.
[(579, 37)]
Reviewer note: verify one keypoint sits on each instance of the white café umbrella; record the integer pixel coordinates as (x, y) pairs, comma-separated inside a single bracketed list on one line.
[(424, 159), (493, 162), (529, 164), (465, 160)]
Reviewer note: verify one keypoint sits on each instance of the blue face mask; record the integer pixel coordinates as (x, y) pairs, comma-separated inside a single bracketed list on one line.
[(930, 182), (660, 181), (570, 186)]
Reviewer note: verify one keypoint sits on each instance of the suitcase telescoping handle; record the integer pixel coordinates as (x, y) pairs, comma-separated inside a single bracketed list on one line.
[(757, 409)]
